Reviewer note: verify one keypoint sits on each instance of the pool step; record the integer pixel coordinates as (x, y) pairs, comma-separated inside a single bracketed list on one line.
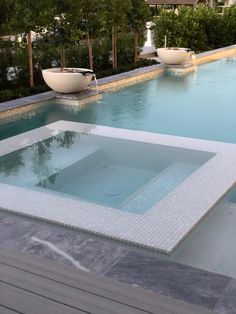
[(57, 179), (159, 187)]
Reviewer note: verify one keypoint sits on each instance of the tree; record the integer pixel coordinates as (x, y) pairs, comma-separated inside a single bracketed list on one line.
[(6, 9), (200, 28), (229, 19), (137, 18), (92, 23), (212, 25), (116, 16), (191, 32), (30, 16), (166, 25), (64, 27)]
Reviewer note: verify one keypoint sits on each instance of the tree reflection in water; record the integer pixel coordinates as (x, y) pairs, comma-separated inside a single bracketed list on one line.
[(39, 157)]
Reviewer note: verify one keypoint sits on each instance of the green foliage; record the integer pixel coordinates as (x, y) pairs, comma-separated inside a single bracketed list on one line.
[(115, 13), (5, 61), (92, 21), (101, 54), (166, 25), (6, 94), (137, 18), (104, 26), (200, 28), (30, 15), (123, 68), (126, 47), (77, 32), (115, 17), (10, 93), (230, 25), (139, 15), (6, 9), (212, 27)]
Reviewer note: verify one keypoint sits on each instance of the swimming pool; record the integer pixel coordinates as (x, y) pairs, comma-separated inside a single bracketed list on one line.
[(200, 104)]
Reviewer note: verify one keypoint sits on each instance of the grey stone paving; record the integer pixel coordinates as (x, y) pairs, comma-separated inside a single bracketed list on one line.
[(92, 253), (227, 303), (124, 263), (16, 103), (176, 280)]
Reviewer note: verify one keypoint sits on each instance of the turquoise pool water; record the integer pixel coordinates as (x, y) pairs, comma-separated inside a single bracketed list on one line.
[(200, 105)]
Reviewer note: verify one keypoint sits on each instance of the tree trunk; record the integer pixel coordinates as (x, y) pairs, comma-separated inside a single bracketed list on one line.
[(63, 59), (30, 59), (135, 46), (90, 50), (114, 47), (116, 61)]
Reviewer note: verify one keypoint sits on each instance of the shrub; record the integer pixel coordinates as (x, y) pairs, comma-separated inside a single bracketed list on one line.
[(229, 19), (200, 28), (124, 68), (6, 95)]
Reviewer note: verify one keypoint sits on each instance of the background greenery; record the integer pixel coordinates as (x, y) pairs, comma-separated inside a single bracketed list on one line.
[(200, 28), (105, 35), (99, 34)]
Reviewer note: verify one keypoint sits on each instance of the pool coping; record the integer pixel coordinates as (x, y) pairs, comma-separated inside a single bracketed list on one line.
[(110, 83), (161, 228)]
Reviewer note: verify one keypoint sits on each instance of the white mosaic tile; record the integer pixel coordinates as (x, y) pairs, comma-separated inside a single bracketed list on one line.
[(162, 227)]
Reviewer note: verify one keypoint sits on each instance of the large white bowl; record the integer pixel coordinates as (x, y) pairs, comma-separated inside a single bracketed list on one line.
[(173, 55), (67, 82)]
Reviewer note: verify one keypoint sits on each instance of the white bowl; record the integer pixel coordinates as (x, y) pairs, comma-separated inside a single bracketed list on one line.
[(75, 80), (173, 55)]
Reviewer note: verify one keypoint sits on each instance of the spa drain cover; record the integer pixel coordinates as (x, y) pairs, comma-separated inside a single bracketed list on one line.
[(113, 190)]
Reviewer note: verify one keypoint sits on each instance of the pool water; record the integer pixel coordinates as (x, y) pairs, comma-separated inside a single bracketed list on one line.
[(211, 246), (201, 104), (101, 170)]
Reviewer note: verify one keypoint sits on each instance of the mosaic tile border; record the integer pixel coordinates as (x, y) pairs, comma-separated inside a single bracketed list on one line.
[(161, 228)]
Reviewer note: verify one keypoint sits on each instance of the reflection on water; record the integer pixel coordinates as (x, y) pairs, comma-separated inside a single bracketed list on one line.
[(37, 157), (10, 164)]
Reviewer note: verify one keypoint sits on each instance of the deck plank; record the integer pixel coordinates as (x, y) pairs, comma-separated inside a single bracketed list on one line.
[(61, 293), (78, 279), (4, 310), (94, 293), (29, 303)]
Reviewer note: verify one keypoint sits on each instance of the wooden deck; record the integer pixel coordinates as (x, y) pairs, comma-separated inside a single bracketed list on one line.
[(33, 285)]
